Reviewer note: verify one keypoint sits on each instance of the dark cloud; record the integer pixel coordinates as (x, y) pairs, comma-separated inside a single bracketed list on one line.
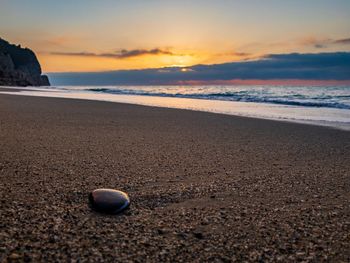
[(316, 43), (140, 52), (122, 54), (319, 45), (241, 54), (324, 43), (342, 41), (319, 66), (80, 54)]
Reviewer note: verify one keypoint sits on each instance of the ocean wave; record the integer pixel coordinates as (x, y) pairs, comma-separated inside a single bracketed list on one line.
[(297, 99)]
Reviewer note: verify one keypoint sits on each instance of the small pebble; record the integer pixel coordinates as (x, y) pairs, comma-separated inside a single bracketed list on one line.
[(108, 201), (198, 235)]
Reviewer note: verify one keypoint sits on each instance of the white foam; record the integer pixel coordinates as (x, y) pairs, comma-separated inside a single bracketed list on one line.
[(337, 118)]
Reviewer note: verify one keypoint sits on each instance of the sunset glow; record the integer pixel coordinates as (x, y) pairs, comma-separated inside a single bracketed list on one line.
[(90, 35), (62, 63)]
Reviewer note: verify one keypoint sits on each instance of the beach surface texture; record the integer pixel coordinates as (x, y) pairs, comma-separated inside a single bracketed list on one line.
[(203, 186)]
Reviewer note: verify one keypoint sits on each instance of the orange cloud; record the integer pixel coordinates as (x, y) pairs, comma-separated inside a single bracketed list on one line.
[(60, 41)]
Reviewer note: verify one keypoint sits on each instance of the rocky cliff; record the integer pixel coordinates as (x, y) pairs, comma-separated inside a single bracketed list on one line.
[(19, 67)]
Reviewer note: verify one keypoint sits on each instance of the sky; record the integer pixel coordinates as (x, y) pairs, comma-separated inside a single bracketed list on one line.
[(111, 35)]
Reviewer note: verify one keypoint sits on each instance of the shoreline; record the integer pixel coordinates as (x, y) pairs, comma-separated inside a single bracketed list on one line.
[(203, 187), (210, 106)]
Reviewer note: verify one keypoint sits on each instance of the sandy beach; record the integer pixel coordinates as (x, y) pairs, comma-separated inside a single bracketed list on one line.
[(203, 186)]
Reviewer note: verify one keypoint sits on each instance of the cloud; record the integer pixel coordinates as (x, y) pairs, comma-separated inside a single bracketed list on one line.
[(241, 54), (319, 66), (121, 54), (60, 41), (323, 43), (342, 41), (315, 42), (79, 54), (140, 52)]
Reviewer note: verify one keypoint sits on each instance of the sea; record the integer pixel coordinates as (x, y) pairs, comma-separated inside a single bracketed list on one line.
[(316, 105)]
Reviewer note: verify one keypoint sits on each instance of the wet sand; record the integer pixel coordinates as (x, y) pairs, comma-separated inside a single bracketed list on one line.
[(203, 186)]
